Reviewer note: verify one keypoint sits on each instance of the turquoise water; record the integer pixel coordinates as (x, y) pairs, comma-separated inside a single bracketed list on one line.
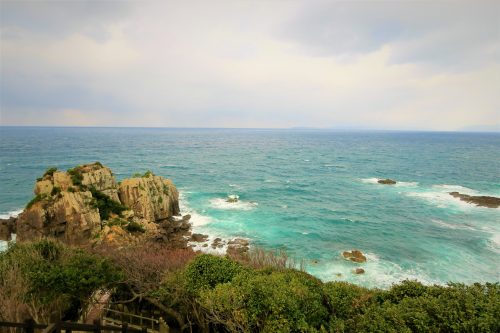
[(313, 193)]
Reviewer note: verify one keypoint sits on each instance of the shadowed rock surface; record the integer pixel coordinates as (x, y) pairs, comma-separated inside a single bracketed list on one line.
[(7, 227), (483, 201)]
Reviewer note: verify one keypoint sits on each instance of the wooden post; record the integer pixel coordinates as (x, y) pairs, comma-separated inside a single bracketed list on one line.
[(124, 327), (97, 326), (30, 326)]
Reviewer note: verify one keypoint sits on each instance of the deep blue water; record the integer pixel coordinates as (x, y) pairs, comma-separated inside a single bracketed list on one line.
[(312, 193)]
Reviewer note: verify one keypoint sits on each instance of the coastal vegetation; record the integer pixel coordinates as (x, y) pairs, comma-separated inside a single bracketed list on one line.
[(207, 293)]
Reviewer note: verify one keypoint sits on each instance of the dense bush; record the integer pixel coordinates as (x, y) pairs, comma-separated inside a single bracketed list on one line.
[(105, 204), (76, 176), (207, 271), (49, 280), (134, 227), (50, 171)]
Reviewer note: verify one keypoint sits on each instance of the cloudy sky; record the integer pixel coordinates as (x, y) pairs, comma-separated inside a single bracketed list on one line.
[(408, 65)]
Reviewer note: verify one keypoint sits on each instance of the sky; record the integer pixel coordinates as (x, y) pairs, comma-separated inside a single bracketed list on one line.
[(392, 65)]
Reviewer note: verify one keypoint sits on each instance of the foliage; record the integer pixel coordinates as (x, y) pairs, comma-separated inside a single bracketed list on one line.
[(50, 171), (55, 190), (55, 278), (37, 198), (268, 301), (134, 227), (206, 271), (105, 204), (76, 176), (71, 189)]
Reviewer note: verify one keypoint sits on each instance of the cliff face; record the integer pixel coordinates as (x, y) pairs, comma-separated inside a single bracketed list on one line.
[(86, 202), (67, 216), (152, 198)]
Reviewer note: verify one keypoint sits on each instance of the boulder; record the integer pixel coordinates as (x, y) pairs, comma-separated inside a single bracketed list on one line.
[(354, 255), (237, 247), (232, 198), (199, 238), (483, 201), (359, 271), (386, 181), (217, 243), (151, 197), (7, 228)]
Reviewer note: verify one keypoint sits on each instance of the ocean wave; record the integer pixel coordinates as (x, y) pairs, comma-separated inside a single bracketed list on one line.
[(222, 203), (13, 213), (447, 225)]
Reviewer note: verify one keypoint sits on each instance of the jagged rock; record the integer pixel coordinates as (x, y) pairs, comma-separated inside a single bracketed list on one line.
[(7, 228), (151, 197), (386, 181), (237, 247), (99, 177), (359, 271), (66, 216), (483, 201), (354, 255), (217, 243), (199, 238), (64, 207), (232, 198)]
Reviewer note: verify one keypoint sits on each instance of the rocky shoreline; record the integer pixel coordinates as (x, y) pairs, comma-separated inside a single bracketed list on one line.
[(87, 206)]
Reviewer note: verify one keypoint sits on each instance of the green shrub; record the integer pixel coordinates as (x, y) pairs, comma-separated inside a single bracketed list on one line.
[(56, 279), (76, 176), (55, 190), (105, 204), (135, 227), (50, 171), (116, 221), (148, 173), (37, 198), (279, 301), (206, 271), (71, 189)]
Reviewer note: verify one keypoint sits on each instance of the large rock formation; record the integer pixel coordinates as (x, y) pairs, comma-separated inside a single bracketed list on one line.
[(151, 197), (7, 228), (68, 216), (87, 204), (484, 201)]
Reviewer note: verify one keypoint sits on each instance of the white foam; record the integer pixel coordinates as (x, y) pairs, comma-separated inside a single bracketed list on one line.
[(370, 180), (406, 184), (13, 213), (452, 226), (220, 203), (197, 219), (455, 188)]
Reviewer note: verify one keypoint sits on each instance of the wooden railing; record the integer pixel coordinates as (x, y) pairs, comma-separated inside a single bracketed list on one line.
[(29, 326)]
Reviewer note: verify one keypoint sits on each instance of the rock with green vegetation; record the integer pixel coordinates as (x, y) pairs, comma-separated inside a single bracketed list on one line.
[(73, 206)]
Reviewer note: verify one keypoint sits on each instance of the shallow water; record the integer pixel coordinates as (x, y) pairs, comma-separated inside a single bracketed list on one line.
[(313, 193)]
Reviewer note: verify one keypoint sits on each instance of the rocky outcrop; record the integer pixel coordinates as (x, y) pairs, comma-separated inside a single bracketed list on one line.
[(86, 204), (483, 201), (354, 255), (198, 238), (68, 216), (386, 181), (237, 247), (7, 228), (151, 197), (359, 271)]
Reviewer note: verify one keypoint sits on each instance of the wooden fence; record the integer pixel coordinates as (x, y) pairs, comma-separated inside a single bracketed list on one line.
[(30, 326)]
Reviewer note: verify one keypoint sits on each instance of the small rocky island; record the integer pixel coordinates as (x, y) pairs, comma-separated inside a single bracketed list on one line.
[(386, 181), (86, 205), (480, 200)]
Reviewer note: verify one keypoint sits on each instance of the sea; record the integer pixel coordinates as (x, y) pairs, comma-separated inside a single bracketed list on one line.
[(310, 193)]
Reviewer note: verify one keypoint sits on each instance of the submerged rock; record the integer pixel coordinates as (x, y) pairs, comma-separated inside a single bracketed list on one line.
[(483, 201), (233, 198), (386, 181), (359, 271), (354, 255)]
